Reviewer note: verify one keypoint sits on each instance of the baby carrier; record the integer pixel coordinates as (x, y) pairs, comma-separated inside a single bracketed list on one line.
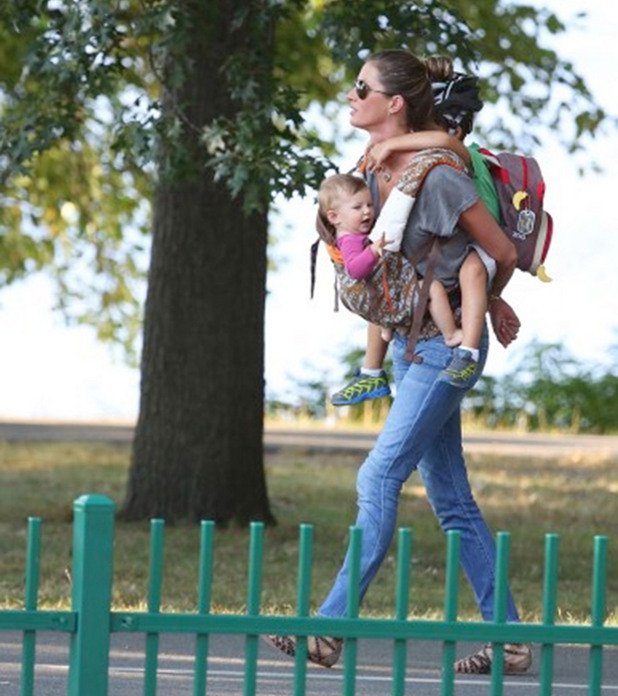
[(391, 296)]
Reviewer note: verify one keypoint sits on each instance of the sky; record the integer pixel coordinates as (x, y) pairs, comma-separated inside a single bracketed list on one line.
[(49, 371)]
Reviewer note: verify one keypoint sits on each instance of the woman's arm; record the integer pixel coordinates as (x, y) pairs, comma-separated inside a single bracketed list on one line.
[(478, 222), (379, 152)]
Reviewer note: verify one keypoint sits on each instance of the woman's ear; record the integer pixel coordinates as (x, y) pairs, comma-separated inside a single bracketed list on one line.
[(396, 104)]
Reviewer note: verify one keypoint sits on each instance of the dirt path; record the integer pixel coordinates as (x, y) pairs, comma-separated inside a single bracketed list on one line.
[(516, 444)]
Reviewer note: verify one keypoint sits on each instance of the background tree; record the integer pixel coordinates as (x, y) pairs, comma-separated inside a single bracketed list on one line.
[(548, 389), (183, 119)]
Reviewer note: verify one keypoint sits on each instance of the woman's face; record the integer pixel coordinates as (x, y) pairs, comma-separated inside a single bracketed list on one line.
[(373, 110)]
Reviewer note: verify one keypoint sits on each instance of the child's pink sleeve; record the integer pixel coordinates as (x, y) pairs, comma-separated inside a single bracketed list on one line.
[(358, 259)]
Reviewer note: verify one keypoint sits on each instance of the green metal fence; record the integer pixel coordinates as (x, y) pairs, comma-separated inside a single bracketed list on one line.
[(91, 620)]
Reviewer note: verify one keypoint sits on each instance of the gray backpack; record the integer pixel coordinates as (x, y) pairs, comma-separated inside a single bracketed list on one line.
[(520, 187)]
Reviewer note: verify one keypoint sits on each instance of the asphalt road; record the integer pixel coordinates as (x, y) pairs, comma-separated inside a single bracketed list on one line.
[(522, 444), (275, 671)]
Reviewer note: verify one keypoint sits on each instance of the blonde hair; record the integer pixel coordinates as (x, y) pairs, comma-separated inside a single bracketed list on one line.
[(331, 190)]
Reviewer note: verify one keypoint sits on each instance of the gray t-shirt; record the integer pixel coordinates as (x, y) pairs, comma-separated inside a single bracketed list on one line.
[(446, 193)]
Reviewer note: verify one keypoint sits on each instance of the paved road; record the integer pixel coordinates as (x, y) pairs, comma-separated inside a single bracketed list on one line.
[(528, 444), (275, 671)]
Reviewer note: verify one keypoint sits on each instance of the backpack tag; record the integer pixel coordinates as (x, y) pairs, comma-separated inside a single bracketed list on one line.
[(525, 223)]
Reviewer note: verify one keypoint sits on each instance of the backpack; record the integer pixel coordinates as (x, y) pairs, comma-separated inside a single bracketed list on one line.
[(520, 188)]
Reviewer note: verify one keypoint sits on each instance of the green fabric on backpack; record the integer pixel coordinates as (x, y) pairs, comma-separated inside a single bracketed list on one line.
[(484, 183)]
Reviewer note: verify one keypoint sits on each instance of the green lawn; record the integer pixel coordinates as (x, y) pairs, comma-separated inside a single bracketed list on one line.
[(573, 497)]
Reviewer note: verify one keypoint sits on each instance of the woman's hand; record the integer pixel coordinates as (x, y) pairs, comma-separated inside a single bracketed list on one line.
[(504, 321)]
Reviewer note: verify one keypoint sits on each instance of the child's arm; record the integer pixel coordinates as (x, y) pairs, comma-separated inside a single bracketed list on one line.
[(378, 153), (359, 260)]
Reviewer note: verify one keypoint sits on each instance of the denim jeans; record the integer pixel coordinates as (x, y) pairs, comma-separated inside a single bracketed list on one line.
[(422, 431)]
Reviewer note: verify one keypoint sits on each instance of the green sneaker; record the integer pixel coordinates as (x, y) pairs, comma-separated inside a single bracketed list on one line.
[(361, 388), (461, 367)]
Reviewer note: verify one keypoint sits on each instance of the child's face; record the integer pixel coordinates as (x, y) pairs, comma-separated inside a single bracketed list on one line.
[(353, 214)]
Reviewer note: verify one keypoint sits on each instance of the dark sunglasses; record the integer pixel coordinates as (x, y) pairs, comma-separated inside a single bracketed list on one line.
[(363, 89)]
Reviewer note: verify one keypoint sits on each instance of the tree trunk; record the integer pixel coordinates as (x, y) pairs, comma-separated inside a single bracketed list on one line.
[(198, 451)]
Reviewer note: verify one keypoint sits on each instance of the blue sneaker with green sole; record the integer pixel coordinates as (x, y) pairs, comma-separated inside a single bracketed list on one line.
[(362, 388)]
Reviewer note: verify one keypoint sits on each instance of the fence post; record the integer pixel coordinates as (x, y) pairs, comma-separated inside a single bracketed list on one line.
[(33, 561), (93, 537)]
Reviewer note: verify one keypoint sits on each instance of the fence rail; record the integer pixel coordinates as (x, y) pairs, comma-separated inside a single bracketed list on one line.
[(91, 620)]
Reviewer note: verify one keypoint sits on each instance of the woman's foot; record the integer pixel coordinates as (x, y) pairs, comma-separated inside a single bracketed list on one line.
[(321, 650), (286, 644), (517, 660), (324, 650)]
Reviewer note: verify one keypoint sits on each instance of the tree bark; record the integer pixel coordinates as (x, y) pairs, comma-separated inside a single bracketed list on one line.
[(198, 451)]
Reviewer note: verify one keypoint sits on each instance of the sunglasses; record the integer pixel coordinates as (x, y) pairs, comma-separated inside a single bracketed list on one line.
[(363, 89)]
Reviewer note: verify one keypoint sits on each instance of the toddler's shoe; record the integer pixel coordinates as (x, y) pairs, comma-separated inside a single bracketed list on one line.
[(361, 388), (461, 367)]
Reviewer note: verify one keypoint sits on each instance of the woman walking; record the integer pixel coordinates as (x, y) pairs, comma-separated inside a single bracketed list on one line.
[(393, 95)]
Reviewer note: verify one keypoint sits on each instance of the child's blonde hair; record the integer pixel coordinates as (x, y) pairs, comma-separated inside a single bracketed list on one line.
[(331, 190)]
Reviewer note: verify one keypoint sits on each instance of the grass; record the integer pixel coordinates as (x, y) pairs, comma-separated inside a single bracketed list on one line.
[(573, 496)]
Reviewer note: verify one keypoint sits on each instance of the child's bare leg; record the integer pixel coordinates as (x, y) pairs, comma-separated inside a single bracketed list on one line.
[(473, 283), (376, 349), (442, 314)]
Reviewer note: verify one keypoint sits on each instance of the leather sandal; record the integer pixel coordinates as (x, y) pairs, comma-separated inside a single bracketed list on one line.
[(286, 644), (517, 660), (324, 650), (321, 650)]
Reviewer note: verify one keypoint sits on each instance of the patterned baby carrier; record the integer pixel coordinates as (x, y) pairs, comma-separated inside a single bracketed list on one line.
[(391, 296)]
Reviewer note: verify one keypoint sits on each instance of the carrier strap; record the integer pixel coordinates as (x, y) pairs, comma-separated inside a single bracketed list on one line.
[(336, 257), (314, 255), (423, 299)]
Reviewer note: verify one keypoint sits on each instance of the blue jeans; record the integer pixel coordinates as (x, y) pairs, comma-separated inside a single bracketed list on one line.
[(422, 431)]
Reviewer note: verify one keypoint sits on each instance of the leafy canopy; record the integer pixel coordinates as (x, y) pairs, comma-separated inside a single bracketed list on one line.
[(90, 121)]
